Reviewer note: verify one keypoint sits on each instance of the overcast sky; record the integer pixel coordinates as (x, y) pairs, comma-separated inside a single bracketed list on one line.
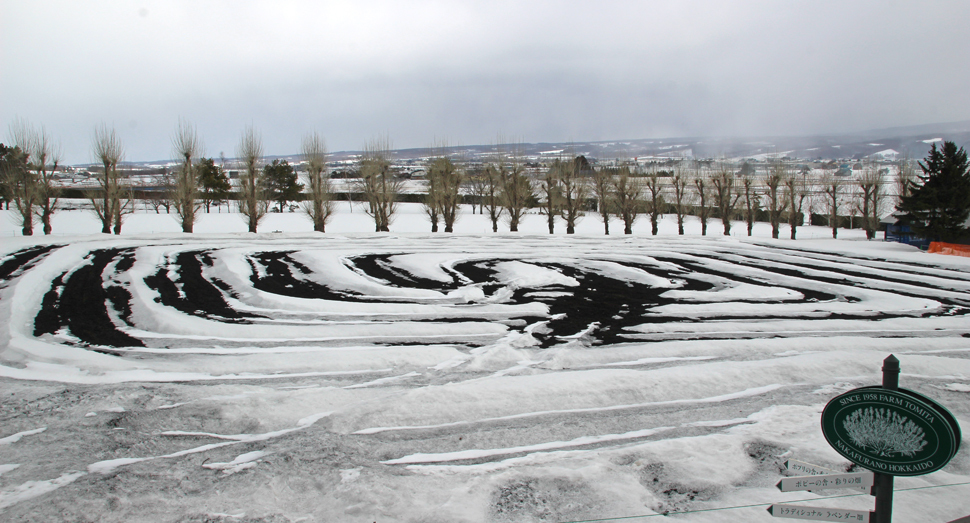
[(467, 72)]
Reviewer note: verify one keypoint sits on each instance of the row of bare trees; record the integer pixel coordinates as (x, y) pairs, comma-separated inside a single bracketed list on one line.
[(778, 194), (506, 187), (27, 170), (503, 187)]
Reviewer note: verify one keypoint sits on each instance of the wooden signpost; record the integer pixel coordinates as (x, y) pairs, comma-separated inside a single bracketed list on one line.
[(888, 430)]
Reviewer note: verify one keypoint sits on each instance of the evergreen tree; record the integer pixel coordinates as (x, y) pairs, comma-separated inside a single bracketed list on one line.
[(281, 182), (938, 204), (7, 155), (215, 184)]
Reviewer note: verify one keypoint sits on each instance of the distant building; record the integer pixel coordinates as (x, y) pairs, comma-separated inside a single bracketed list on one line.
[(897, 232)]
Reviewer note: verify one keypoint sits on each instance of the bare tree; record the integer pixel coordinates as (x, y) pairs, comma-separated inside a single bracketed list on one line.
[(627, 191), (654, 184), (752, 200), (432, 200), (774, 177), (107, 201), (871, 193), (252, 202), (549, 185), (603, 190), (44, 159), (319, 207), (702, 188), (905, 176), (161, 193), (796, 191), (378, 184), (124, 202), (187, 147), (726, 195), (445, 179), (683, 200), (574, 192), (491, 189), (24, 185), (516, 187), (834, 189), (471, 186)]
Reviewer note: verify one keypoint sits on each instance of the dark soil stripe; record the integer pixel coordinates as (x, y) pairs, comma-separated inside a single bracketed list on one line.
[(80, 304)]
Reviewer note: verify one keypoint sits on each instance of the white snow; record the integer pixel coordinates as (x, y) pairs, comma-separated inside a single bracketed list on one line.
[(957, 387), (886, 153), (483, 453), (399, 401), (18, 436), (108, 466), (240, 463), (33, 489)]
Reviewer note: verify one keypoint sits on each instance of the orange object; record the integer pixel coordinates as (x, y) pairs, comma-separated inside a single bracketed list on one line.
[(954, 249)]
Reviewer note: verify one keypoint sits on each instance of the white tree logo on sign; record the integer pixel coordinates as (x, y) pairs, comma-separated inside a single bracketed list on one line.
[(884, 431)]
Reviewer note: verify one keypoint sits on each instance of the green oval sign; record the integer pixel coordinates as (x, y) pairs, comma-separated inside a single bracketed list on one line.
[(891, 431)]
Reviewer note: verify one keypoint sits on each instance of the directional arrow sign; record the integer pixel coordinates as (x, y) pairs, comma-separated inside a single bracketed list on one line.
[(781, 510), (853, 480), (806, 469)]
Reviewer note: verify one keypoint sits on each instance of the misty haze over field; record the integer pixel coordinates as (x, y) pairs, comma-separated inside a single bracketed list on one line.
[(471, 72)]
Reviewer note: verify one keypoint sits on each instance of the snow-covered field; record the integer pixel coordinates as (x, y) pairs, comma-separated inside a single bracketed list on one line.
[(417, 377)]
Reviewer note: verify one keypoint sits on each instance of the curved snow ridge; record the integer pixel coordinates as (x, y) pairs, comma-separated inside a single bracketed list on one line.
[(933, 326), (431, 463), (33, 489), (38, 371), (18, 436), (240, 463), (647, 361), (464, 455), (383, 381), (108, 466), (523, 274), (736, 291), (754, 391)]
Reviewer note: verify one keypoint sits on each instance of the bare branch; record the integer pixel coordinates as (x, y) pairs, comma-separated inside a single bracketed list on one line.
[(320, 205), (252, 203)]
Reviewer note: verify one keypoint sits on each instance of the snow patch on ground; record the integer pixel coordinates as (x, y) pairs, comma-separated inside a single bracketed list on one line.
[(240, 463), (956, 387), (18, 436)]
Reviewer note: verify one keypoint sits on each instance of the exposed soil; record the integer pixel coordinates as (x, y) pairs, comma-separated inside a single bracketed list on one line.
[(602, 305), (80, 304), (192, 293)]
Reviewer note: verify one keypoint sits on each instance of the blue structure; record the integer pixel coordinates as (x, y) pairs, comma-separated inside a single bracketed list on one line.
[(897, 232)]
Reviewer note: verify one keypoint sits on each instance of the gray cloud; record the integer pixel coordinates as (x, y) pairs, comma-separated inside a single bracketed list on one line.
[(466, 71)]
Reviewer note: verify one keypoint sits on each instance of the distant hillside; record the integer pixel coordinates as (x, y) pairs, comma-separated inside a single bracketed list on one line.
[(911, 141)]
